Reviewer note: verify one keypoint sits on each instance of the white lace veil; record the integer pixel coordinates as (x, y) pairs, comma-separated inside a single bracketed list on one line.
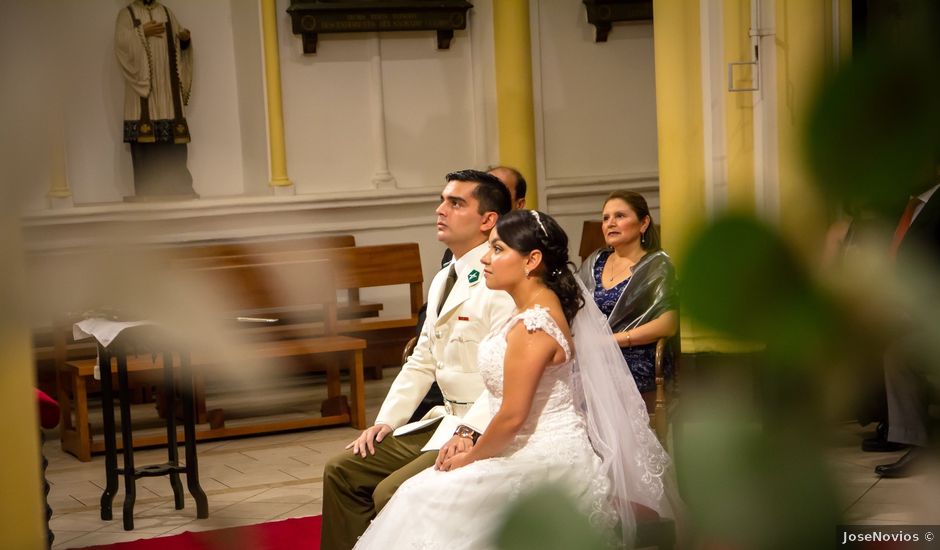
[(617, 422)]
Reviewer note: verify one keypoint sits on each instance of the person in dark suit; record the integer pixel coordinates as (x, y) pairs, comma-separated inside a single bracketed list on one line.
[(907, 384)]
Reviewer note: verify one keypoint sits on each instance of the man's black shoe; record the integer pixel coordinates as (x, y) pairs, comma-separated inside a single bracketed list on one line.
[(905, 466), (879, 443)]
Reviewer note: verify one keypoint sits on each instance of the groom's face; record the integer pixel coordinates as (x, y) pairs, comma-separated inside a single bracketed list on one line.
[(459, 222)]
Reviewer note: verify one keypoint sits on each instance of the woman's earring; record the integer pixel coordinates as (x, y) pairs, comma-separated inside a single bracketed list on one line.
[(643, 238), (526, 271)]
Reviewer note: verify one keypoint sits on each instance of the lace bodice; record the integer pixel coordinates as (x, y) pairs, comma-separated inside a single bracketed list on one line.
[(554, 415)]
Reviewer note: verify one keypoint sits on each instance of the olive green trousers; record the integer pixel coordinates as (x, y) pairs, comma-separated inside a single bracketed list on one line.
[(355, 489)]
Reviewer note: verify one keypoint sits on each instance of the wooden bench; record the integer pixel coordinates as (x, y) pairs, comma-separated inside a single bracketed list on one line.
[(241, 249), (291, 287), (356, 268), (592, 238), (54, 344)]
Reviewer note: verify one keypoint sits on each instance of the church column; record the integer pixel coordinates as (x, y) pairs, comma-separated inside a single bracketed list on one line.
[(804, 50), (21, 510), (382, 178), (280, 183), (740, 116), (514, 101), (680, 130), (59, 194)]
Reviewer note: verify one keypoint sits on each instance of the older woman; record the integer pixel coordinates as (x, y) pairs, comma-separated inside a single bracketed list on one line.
[(634, 284)]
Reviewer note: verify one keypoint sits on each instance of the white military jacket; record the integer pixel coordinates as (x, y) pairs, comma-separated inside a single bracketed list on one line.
[(446, 351)]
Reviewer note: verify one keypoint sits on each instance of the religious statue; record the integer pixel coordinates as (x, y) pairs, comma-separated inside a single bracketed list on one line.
[(156, 58)]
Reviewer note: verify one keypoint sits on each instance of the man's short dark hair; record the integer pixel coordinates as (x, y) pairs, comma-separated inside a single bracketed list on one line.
[(520, 181), (489, 192)]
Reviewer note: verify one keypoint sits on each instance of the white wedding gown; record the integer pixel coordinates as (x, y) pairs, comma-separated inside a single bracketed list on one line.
[(460, 509)]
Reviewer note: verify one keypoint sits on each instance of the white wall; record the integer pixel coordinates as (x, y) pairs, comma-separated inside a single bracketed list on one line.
[(249, 72), (594, 107), (430, 101), (215, 153)]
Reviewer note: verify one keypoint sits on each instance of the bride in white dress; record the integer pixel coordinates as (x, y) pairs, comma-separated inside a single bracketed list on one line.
[(565, 410)]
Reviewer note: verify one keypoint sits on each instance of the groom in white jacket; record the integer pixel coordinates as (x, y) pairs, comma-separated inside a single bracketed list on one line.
[(461, 312)]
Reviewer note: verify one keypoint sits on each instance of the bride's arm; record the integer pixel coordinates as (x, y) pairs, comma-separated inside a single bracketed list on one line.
[(527, 355)]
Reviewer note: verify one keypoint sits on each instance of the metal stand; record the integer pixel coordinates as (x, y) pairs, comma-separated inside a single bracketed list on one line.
[(171, 468)]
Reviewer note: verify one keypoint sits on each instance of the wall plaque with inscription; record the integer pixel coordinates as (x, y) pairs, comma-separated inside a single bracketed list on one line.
[(603, 13), (312, 17)]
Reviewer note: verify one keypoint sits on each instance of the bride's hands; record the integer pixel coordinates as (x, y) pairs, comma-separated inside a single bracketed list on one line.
[(456, 461), (455, 446)]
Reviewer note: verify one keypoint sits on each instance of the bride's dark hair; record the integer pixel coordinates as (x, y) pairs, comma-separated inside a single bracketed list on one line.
[(528, 230)]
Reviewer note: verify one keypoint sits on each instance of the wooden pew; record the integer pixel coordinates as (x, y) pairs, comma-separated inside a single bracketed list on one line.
[(294, 287), (54, 344), (352, 308), (592, 238), (356, 268), (242, 248)]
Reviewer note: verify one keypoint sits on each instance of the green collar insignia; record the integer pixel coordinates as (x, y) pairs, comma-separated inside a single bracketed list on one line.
[(473, 276)]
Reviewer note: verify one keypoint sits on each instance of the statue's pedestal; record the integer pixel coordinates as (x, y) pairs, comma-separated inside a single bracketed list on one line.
[(160, 173), (161, 198)]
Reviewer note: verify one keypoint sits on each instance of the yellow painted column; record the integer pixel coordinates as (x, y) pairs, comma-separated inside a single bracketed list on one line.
[(739, 106), (272, 80), (803, 52), (514, 101), (21, 510), (677, 47)]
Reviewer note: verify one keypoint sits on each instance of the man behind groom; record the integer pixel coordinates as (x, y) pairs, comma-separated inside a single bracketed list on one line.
[(461, 312)]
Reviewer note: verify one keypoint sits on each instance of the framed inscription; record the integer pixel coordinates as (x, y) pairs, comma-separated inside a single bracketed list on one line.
[(309, 18)]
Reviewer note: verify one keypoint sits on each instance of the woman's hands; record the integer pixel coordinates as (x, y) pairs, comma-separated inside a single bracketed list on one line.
[(452, 448), (457, 461)]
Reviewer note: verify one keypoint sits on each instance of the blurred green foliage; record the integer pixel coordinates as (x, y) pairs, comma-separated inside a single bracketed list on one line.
[(873, 135), (742, 279)]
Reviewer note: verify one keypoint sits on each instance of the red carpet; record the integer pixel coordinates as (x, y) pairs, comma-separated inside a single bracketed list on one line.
[(303, 533)]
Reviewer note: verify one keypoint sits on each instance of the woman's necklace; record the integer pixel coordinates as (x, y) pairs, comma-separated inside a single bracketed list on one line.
[(531, 300), (614, 274)]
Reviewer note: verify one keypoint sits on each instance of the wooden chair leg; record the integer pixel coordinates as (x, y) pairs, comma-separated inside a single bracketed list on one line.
[(199, 396), (333, 387), (82, 428), (660, 422), (64, 389), (357, 411)]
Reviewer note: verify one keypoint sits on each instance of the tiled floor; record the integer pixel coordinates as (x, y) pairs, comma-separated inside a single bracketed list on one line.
[(247, 481), (257, 479)]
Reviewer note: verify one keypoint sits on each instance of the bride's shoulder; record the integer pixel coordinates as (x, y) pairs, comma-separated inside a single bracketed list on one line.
[(540, 318), (536, 317)]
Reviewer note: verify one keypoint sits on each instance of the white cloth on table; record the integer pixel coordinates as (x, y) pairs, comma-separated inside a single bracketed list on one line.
[(104, 331)]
